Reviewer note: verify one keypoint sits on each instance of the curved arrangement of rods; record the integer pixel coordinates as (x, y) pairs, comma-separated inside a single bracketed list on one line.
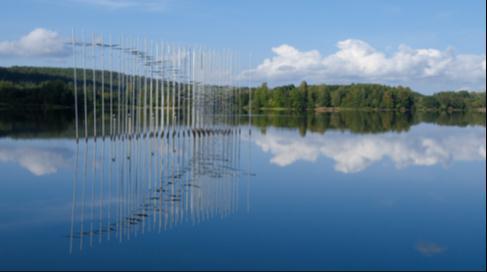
[(157, 136)]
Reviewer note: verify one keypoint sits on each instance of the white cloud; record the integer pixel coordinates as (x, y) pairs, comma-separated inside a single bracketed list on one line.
[(354, 153), (357, 61), (38, 161), (39, 42)]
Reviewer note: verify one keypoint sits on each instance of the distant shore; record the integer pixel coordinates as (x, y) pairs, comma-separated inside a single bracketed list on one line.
[(338, 109), (53, 88), (342, 109)]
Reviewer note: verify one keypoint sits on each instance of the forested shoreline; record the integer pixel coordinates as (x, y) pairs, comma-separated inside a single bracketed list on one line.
[(45, 87), (362, 96), (59, 123)]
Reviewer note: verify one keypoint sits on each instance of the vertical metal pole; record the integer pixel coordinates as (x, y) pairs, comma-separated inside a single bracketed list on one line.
[(75, 84)]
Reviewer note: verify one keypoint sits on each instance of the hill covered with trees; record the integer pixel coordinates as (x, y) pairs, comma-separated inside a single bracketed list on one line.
[(45, 87), (360, 96), (42, 87)]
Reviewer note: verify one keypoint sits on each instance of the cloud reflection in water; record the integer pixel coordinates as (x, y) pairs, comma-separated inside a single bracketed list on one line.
[(37, 160), (353, 153)]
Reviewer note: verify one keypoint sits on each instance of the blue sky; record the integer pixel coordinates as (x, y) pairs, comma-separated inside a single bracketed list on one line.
[(319, 41)]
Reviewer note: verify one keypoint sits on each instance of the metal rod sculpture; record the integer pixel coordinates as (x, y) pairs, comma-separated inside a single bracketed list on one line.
[(172, 137)]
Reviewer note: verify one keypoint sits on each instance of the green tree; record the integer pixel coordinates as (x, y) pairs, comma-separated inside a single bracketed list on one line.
[(324, 98), (303, 89), (428, 102), (312, 97), (297, 100), (388, 100), (337, 96), (260, 97), (404, 98)]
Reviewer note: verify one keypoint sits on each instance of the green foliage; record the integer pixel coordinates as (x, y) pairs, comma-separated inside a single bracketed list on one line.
[(260, 97), (363, 96), (428, 102), (323, 96), (298, 100), (337, 97), (280, 97), (41, 87), (53, 87), (45, 94)]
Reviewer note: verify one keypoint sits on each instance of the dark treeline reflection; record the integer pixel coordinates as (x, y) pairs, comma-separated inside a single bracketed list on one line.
[(365, 122), (24, 123), (60, 123)]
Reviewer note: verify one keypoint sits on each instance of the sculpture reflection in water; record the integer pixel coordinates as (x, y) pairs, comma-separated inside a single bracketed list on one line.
[(161, 143)]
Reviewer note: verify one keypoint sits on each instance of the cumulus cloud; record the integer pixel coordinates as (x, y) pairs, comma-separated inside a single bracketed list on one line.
[(354, 153), (38, 161), (357, 61), (39, 42)]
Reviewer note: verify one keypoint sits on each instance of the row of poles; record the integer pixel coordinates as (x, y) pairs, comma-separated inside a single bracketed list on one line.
[(162, 141), (150, 87)]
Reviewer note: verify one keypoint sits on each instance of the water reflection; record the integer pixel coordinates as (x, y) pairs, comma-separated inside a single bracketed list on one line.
[(416, 198), (60, 124), (126, 186), (353, 153), (37, 160), (37, 124), (364, 122), (429, 248)]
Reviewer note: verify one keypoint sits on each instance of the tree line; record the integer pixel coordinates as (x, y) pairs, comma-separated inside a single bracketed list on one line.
[(359, 96), (53, 87), (46, 87)]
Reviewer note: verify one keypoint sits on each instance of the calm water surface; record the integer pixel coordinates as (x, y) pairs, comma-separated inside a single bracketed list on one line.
[(334, 191)]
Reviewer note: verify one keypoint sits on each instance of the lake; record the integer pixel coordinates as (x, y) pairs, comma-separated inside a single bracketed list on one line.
[(347, 190)]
